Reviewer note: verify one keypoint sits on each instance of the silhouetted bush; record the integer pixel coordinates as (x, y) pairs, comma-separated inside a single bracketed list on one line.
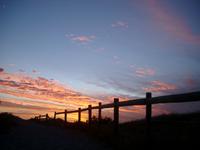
[(7, 122), (105, 120)]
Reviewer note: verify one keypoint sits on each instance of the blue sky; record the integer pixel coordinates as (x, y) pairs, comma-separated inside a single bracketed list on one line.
[(107, 47)]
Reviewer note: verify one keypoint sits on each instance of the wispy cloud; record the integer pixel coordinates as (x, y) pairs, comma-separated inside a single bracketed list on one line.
[(11, 65), (81, 38), (173, 24), (21, 85), (115, 84), (143, 72), (21, 70), (120, 24), (34, 71), (159, 86), (116, 59), (108, 97), (99, 50), (22, 104), (190, 83)]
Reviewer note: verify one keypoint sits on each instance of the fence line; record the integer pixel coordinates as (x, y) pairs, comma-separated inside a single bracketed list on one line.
[(148, 101)]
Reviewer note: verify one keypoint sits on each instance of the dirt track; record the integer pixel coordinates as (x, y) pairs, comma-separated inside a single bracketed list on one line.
[(32, 136)]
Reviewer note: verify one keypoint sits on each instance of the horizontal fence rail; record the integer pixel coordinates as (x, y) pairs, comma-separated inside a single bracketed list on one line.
[(148, 101)]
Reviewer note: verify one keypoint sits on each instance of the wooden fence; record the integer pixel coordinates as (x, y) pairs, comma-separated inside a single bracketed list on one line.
[(148, 101)]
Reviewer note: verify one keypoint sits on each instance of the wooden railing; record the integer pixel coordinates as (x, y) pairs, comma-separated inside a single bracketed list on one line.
[(148, 101), (46, 117)]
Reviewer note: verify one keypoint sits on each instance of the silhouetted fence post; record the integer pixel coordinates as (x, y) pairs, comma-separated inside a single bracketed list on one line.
[(47, 116), (116, 115), (79, 115), (89, 115), (99, 115), (54, 115), (148, 108), (148, 118), (65, 115)]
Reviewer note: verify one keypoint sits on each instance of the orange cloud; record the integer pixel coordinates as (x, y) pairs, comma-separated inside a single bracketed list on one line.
[(173, 24), (23, 104), (159, 86), (41, 88), (39, 95)]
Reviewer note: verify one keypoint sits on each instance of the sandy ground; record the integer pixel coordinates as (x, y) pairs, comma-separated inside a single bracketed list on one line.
[(32, 136)]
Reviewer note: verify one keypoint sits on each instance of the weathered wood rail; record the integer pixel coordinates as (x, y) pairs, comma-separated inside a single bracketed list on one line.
[(148, 101)]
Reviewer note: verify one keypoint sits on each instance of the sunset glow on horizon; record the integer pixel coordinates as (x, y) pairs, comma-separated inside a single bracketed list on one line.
[(68, 54)]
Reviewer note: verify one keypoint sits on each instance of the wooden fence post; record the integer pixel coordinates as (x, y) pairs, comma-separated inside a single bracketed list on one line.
[(65, 115), (148, 108), (79, 115), (99, 115), (89, 115), (148, 118), (116, 116), (47, 116), (54, 115)]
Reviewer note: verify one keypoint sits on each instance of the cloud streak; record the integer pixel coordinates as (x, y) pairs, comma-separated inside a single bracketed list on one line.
[(172, 24), (159, 86), (80, 38), (143, 72), (120, 24), (41, 88)]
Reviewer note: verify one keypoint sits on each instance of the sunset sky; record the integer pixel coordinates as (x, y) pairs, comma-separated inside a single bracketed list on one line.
[(65, 54)]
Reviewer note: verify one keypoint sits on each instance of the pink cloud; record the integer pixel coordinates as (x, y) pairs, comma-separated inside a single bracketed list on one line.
[(142, 72), (159, 86), (120, 24), (171, 23), (191, 82), (80, 38)]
